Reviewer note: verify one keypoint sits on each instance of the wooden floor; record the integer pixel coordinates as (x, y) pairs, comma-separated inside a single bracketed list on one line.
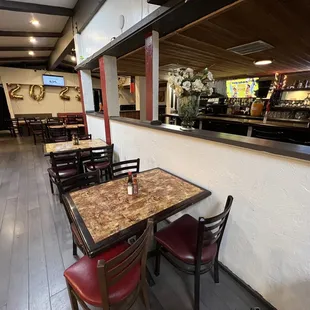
[(35, 246)]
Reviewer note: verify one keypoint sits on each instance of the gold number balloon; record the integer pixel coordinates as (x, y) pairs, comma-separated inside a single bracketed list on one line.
[(78, 96), (32, 94), (13, 92), (63, 95)]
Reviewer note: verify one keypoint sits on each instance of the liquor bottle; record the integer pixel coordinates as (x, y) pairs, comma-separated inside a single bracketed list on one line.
[(135, 184), (130, 184)]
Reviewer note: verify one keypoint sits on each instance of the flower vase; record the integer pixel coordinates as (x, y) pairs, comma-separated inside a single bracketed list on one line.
[(188, 108)]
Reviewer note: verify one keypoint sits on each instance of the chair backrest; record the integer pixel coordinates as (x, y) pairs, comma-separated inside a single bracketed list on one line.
[(54, 121), (57, 132), (65, 160), (211, 230), (36, 125), (114, 270), (85, 137), (122, 168), (79, 181), (102, 153)]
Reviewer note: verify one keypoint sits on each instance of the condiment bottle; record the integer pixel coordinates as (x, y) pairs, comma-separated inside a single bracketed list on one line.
[(130, 184), (135, 184)]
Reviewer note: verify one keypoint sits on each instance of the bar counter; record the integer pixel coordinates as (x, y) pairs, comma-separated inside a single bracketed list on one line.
[(275, 147)]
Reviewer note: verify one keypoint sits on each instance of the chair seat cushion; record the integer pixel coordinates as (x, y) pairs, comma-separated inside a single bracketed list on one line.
[(180, 239), (83, 277), (97, 165), (63, 173)]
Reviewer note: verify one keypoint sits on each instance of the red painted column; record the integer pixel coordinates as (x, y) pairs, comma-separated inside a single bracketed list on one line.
[(103, 83), (152, 75), (82, 102)]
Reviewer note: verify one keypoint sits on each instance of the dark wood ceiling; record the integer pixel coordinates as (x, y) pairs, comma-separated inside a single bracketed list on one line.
[(282, 23)]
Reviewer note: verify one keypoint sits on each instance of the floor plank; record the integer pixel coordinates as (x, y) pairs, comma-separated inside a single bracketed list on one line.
[(6, 244), (39, 298)]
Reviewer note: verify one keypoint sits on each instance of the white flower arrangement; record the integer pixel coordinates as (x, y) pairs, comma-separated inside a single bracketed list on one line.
[(186, 83)]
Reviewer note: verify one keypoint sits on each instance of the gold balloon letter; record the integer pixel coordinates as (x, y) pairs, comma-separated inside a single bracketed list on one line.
[(78, 96), (63, 95), (32, 92), (13, 92)]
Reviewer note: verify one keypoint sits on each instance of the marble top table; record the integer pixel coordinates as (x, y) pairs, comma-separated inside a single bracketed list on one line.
[(67, 146), (72, 126), (105, 214)]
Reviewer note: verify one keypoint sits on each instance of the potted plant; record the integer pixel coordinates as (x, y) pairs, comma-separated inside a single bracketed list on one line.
[(188, 87)]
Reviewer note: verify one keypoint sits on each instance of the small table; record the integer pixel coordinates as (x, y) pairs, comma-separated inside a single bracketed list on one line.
[(72, 126), (105, 214), (67, 146)]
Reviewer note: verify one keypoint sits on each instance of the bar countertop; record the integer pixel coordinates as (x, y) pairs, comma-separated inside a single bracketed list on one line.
[(255, 121), (275, 147)]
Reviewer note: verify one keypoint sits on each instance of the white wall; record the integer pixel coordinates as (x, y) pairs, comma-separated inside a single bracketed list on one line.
[(96, 127), (51, 103), (106, 23), (267, 240)]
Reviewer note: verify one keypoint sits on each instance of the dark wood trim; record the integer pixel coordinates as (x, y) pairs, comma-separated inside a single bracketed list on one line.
[(35, 8), (166, 19), (149, 47), (274, 147), (4, 33), (247, 287), (25, 48), (21, 59), (94, 248)]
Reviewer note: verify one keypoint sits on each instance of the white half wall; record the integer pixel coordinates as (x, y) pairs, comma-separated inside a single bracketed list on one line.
[(96, 127), (267, 239)]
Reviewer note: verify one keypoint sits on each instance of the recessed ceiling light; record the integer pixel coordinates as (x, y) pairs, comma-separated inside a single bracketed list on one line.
[(31, 53), (32, 40), (263, 62), (35, 22), (73, 58)]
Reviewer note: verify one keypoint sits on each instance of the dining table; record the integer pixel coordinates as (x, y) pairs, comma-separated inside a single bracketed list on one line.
[(105, 214), (68, 146)]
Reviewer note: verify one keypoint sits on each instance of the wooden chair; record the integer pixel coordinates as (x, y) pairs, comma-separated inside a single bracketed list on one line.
[(100, 159), (193, 246), (54, 121), (63, 166), (114, 278), (28, 120), (14, 127), (71, 120), (58, 134), (71, 184), (122, 168), (38, 131)]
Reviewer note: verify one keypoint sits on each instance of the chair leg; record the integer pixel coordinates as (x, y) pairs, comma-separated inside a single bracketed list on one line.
[(73, 301), (197, 289), (216, 271), (34, 140), (145, 296), (74, 248), (157, 260), (52, 187)]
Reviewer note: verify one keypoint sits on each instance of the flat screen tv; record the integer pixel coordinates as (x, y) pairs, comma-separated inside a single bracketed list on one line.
[(53, 80), (242, 88)]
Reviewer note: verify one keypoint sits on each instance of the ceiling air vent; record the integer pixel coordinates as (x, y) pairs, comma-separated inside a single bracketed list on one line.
[(250, 48)]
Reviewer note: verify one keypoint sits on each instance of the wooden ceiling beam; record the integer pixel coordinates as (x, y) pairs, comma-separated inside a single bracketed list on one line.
[(22, 59), (24, 48), (36, 34), (34, 8)]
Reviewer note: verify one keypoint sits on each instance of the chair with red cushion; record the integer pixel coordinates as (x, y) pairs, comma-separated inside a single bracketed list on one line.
[(100, 159), (121, 169), (75, 183), (113, 278), (63, 166), (193, 246)]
